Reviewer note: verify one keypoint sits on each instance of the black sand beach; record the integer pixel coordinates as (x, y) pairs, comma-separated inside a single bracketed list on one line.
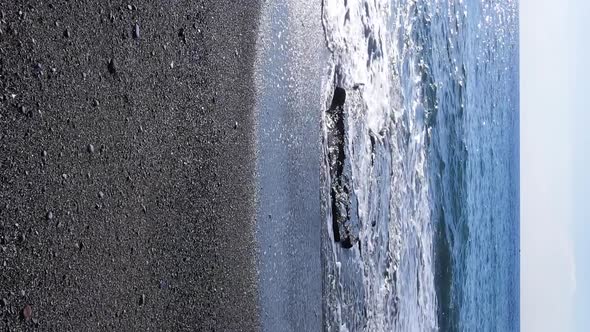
[(127, 165)]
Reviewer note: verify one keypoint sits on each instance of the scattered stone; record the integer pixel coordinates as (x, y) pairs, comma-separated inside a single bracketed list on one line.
[(129, 7), (172, 65), (236, 125), (27, 312), (4, 302), (163, 284), (90, 148), (44, 153), (182, 35), (38, 68), (142, 299), (64, 176), (22, 238), (67, 33), (136, 31), (100, 194), (112, 66), (49, 215), (22, 292), (96, 103)]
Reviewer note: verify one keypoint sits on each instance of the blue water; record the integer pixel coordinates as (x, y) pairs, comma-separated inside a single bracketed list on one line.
[(473, 156), (432, 156)]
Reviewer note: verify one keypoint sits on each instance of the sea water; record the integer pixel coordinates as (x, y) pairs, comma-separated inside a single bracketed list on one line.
[(431, 145)]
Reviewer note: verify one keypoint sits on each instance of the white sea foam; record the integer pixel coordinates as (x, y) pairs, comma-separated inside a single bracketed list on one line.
[(389, 283)]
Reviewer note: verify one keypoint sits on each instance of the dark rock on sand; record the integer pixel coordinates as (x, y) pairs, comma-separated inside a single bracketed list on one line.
[(112, 66), (136, 31), (26, 312)]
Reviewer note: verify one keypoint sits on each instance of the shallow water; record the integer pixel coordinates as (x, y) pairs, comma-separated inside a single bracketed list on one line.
[(431, 162)]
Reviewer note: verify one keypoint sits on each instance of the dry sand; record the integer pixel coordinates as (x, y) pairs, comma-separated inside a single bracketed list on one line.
[(127, 165)]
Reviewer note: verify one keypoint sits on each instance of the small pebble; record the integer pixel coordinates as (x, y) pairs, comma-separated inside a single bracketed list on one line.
[(112, 67), (67, 33), (22, 293), (90, 148), (21, 238), (100, 194), (4, 302), (27, 312), (49, 215), (136, 31), (96, 103), (142, 299), (44, 154), (163, 284)]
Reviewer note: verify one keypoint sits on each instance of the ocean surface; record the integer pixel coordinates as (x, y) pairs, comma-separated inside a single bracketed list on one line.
[(429, 182)]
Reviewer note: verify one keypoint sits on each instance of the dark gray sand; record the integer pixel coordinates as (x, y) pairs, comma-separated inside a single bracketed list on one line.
[(126, 165)]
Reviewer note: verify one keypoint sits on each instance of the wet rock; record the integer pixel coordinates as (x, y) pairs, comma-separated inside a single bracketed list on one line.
[(340, 191), (339, 98), (26, 312)]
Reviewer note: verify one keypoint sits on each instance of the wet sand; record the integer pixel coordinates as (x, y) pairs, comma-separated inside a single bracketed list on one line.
[(127, 165), (291, 70)]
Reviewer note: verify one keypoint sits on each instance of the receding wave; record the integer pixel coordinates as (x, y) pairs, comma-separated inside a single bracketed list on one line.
[(420, 174)]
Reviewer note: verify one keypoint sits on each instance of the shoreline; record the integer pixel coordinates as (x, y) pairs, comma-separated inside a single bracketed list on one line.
[(290, 65), (127, 166)]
